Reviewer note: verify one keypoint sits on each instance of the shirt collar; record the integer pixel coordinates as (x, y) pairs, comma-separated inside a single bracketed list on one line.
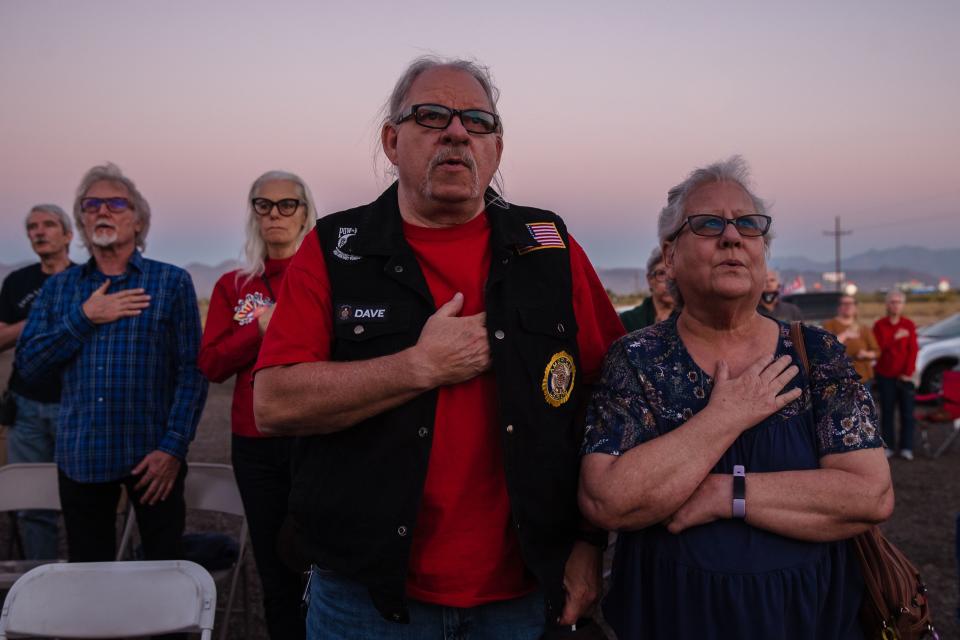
[(135, 262), (382, 226)]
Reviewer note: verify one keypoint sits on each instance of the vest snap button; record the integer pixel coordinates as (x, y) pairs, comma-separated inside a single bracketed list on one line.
[(401, 531), (358, 329), (398, 268), (422, 432), (509, 428), (506, 260), (499, 334), (560, 327)]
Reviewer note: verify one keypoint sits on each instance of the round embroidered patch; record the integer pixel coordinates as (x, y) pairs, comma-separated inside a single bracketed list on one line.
[(558, 379)]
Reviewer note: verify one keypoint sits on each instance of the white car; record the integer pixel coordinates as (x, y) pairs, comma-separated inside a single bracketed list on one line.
[(939, 352)]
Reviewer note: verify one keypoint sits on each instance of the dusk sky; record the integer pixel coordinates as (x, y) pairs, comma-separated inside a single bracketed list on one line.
[(846, 109)]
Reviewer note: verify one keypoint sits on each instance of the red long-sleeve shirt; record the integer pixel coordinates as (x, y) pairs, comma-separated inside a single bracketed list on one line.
[(898, 347), (231, 338)]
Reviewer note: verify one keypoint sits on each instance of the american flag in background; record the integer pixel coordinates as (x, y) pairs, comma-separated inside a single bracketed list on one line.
[(546, 236)]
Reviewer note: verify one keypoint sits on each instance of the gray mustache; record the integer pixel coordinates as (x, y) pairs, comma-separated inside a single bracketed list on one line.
[(448, 153)]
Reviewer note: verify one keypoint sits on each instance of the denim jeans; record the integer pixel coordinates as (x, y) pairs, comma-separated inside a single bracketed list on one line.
[(341, 608), (31, 439), (894, 392)]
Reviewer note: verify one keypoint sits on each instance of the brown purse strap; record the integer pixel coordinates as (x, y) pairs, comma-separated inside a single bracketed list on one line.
[(796, 334)]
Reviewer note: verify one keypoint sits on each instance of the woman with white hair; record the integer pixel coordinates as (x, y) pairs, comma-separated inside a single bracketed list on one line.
[(735, 476), (281, 212)]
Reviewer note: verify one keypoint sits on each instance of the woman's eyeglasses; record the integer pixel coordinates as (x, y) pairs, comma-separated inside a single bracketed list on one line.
[(752, 225), (286, 207)]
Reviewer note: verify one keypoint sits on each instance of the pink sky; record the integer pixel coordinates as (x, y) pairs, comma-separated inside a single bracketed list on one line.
[(840, 110)]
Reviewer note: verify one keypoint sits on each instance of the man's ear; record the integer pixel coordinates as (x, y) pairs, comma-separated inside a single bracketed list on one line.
[(388, 139)]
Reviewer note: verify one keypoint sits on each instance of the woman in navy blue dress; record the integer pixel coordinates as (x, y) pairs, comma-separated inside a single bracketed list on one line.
[(735, 477)]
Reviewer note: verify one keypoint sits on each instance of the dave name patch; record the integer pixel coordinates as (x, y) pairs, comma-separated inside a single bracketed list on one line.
[(362, 312)]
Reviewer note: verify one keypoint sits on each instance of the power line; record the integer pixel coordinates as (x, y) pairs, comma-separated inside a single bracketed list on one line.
[(836, 233)]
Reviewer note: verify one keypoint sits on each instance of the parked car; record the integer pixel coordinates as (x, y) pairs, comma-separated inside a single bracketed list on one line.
[(939, 352), (815, 306)]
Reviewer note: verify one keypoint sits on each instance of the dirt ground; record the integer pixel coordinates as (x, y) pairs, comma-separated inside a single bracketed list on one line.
[(923, 524)]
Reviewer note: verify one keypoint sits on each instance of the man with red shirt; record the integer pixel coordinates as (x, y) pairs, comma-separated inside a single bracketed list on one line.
[(897, 337), (433, 352)]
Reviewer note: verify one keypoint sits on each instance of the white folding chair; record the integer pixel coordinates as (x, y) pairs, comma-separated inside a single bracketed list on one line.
[(26, 486), (211, 487), (110, 600)]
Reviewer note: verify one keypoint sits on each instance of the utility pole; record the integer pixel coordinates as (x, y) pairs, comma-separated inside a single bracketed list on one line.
[(836, 233)]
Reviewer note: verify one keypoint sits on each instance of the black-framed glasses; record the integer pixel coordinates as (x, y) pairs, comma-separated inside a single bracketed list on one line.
[(115, 205), (658, 274), (286, 206), (752, 225), (437, 116)]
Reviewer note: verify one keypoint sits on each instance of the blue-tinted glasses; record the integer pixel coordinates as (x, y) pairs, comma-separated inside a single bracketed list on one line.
[(116, 205), (751, 225)]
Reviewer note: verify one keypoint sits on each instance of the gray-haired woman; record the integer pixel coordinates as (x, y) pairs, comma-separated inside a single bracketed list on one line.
[(736, 476), (280, 212)]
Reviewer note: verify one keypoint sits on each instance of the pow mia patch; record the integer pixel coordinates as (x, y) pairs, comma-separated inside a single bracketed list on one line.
[(343, 240), (365, 312), (558, 379)]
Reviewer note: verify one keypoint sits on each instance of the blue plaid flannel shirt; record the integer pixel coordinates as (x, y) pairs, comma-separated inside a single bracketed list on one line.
[(129, 387)]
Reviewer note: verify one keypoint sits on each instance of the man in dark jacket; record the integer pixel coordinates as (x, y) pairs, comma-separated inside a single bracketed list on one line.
[(432, 348)]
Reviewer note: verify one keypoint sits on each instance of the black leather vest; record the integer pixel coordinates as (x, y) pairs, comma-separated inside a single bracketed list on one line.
[(356, 493)]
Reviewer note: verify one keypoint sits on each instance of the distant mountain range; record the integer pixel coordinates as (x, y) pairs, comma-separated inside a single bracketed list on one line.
[(204, 276), (872, 271)]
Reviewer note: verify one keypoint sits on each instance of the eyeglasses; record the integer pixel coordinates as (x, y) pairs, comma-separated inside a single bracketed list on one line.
[(659, 275), (115, 205), (752, 225), (437, 116), (286, 207)]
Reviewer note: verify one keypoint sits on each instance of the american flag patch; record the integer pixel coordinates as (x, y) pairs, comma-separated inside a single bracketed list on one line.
[(546, 236)]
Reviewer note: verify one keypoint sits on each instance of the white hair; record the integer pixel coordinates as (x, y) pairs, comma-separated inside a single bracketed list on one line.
[(895, 293), (55, 211), (110, 172), (255, 249), (733, 169), (392, 110)]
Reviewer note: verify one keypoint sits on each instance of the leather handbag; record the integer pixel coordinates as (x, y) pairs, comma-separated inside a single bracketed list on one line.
[(895, 604)]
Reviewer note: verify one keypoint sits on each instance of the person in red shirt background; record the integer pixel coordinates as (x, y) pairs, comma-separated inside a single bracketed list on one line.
[(281, 212), (897, 337)]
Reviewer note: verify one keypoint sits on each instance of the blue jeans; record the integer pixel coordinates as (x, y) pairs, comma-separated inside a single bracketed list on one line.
[(31, 439), (893, 392), (342, 609)]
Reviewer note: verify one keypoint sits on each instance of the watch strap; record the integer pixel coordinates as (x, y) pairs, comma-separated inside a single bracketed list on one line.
[(739, 492)]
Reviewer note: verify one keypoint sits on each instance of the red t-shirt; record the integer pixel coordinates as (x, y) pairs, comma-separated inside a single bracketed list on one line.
[(898, 347), (464, 552), (231, 336)]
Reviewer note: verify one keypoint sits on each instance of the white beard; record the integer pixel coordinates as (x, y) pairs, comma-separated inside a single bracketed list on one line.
[(105, 238)]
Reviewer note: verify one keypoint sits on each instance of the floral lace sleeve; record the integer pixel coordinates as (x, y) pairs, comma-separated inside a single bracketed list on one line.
[(845, 415), (618, 416)]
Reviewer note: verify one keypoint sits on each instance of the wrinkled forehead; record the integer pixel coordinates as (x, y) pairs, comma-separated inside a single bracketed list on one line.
[(719, 197), (42, 215), (107, 189), (449, 87)]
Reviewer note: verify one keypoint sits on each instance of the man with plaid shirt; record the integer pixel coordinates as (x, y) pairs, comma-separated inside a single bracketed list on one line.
[(124, 332)]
